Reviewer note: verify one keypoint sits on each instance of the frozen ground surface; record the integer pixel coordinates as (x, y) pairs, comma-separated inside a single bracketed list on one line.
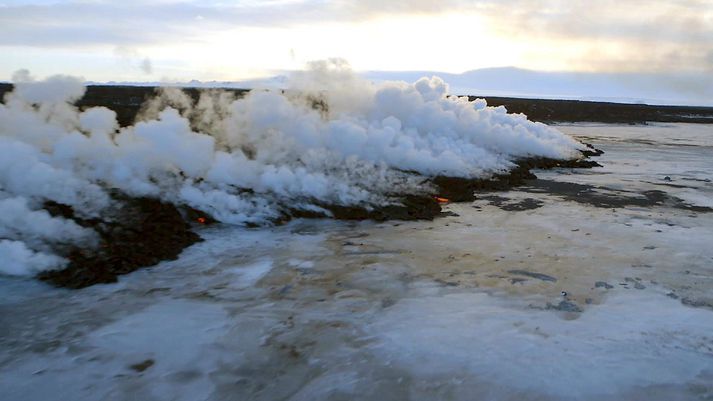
[(467, 307)]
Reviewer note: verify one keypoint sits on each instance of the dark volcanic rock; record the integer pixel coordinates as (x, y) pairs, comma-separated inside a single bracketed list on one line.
[(494, 200), (146, 232), (565, 306), (412, 207), (525, 204), (592, 195), (549, 111), (697, 303), (607, 198), (141, 366), (59, 210), (458, 189), (513, 206), (603, 284), (591, 151), (535, 275)]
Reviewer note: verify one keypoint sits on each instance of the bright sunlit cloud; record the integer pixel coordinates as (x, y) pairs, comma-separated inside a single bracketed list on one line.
[(232, 40)]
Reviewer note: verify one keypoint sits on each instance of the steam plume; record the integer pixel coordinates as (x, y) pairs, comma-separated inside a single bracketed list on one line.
[(331, 139)]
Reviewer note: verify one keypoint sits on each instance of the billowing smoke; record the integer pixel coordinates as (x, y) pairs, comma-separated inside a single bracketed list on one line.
[(332, 139)]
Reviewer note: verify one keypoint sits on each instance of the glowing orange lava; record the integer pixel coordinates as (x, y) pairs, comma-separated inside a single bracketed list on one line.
[(442, 200), (201, 220)]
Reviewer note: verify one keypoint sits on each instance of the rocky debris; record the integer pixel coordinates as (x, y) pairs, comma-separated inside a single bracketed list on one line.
[(525, 204), (545, 163), (636, 282), (565, 306), (141, 366), (607, 198), (686, 206), (595, 196), (535, 275), (494, 200), (448, 214), (459, 189), (694, 303), (511, 205), (603, 284), (411, 207), (387, 302), (142, 233), (591, 150), (697, 303)]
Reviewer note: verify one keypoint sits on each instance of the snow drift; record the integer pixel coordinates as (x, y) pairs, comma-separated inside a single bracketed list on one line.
[(332, 138)]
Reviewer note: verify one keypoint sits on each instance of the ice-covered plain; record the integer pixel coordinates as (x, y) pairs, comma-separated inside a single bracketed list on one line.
[(586, 285)]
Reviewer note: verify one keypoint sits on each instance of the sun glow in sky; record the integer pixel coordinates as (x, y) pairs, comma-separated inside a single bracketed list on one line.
[(403, 42), (231, 40), (399, 43)]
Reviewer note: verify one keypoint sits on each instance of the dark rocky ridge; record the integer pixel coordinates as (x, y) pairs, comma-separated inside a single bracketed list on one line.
[(146, 231), (569, 111), (126, 101), (459, 189)]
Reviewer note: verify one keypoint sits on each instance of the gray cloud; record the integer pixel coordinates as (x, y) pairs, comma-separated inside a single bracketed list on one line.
[(132, 58), (709, 60), (652, 36), (146, 66), (53, 23), (79, 23)]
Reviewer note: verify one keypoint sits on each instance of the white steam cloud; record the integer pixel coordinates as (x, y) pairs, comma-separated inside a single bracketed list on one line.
[(331, 139)]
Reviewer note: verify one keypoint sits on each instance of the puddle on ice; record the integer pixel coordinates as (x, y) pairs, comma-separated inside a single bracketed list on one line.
[(551, 299)]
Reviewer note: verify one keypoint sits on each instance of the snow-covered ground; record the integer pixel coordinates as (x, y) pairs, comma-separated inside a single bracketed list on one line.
[(565, 300)]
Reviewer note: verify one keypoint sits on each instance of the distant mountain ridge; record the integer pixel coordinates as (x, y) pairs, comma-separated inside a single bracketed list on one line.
[(691, 89), (126, 101), (653, 88)]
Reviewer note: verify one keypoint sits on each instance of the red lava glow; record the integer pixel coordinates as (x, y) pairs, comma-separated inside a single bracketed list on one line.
[(201, 220), (442, 200)]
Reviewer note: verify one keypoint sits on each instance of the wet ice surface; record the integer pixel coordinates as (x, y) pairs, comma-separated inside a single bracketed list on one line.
[(465, 307)]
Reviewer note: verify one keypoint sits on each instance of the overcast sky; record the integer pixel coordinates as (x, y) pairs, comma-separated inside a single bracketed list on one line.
[(239, 39)]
